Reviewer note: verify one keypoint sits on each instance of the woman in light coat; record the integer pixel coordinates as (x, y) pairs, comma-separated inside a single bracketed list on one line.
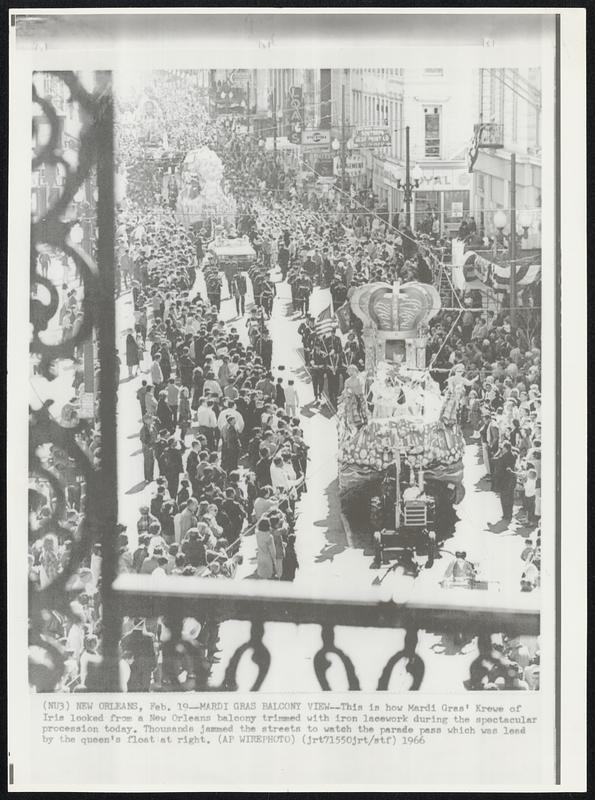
[(265, 553)]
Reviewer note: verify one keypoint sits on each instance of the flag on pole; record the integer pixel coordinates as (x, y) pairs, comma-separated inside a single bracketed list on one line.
[(343, 315), (324, 322)]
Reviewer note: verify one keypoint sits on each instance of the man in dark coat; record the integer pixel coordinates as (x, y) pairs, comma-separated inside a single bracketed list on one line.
[(507, 478), (172, 458), (238, 291), (283, 259), (186, 368), (262, 470), (265, 349), (140, 646), (164, 414), (148, 437)]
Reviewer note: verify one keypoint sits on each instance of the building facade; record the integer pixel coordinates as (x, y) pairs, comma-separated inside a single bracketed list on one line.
[(48, 180), (511, 100), (436, 104), (442, 107)]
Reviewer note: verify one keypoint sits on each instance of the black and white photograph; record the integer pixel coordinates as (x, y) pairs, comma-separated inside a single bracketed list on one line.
[(290, 329)]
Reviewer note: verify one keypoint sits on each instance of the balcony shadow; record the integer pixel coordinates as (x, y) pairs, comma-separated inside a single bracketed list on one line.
[(302, 372), (334, 531), (309, 410), (326, 411), (252, 576), (329, 552), (499, 527), (524, 528), (137, 488), (483, 485)]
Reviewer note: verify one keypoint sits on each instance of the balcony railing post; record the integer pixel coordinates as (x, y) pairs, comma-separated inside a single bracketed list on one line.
[(105, 316)]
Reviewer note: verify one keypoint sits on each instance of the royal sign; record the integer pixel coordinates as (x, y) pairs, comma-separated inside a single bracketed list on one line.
[(372, 137)]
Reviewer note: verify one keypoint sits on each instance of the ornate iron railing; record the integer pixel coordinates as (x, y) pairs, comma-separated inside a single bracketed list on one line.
[(95, 150), (472, 614)]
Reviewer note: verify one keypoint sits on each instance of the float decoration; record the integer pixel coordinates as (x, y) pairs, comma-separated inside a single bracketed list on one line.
[(202, 195), (406, 416)]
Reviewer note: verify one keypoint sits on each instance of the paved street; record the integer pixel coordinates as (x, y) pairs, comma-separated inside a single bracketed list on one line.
[(328, 551)]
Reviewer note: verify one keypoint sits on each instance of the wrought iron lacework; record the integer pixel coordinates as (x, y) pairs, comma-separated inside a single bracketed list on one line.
[(184, 667), (182, 600), (51, 230)]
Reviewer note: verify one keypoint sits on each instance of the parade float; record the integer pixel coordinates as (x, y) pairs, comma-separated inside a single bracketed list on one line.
[(202, 199), (231, 254), (395, 427)]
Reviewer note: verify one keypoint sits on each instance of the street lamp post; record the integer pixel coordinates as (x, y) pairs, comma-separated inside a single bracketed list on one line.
[(275, 125), (512, 242), (408, 186), (500, 222), (343, 138), (274, 117)]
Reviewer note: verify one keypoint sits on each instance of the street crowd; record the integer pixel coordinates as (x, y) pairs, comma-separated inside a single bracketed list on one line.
[(222, 445)]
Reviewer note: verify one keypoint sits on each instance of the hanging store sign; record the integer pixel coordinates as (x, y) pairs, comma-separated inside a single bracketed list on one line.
[(295, 103), (354, 166), (316, 137), (372, 137), (486, 136)]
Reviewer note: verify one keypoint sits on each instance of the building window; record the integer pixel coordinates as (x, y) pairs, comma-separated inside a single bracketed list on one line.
[(427, 206), (491, 95), (434, 72), (432, 131), (501, 89), (456, 205)]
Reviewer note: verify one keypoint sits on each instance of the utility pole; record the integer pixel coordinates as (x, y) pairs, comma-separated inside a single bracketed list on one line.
[(408, 194), (512, 240), (275, 137), (343, 138), (275, 124)]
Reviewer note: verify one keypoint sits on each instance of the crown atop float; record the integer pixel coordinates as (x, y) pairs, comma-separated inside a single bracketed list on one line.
[(401, 307)]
